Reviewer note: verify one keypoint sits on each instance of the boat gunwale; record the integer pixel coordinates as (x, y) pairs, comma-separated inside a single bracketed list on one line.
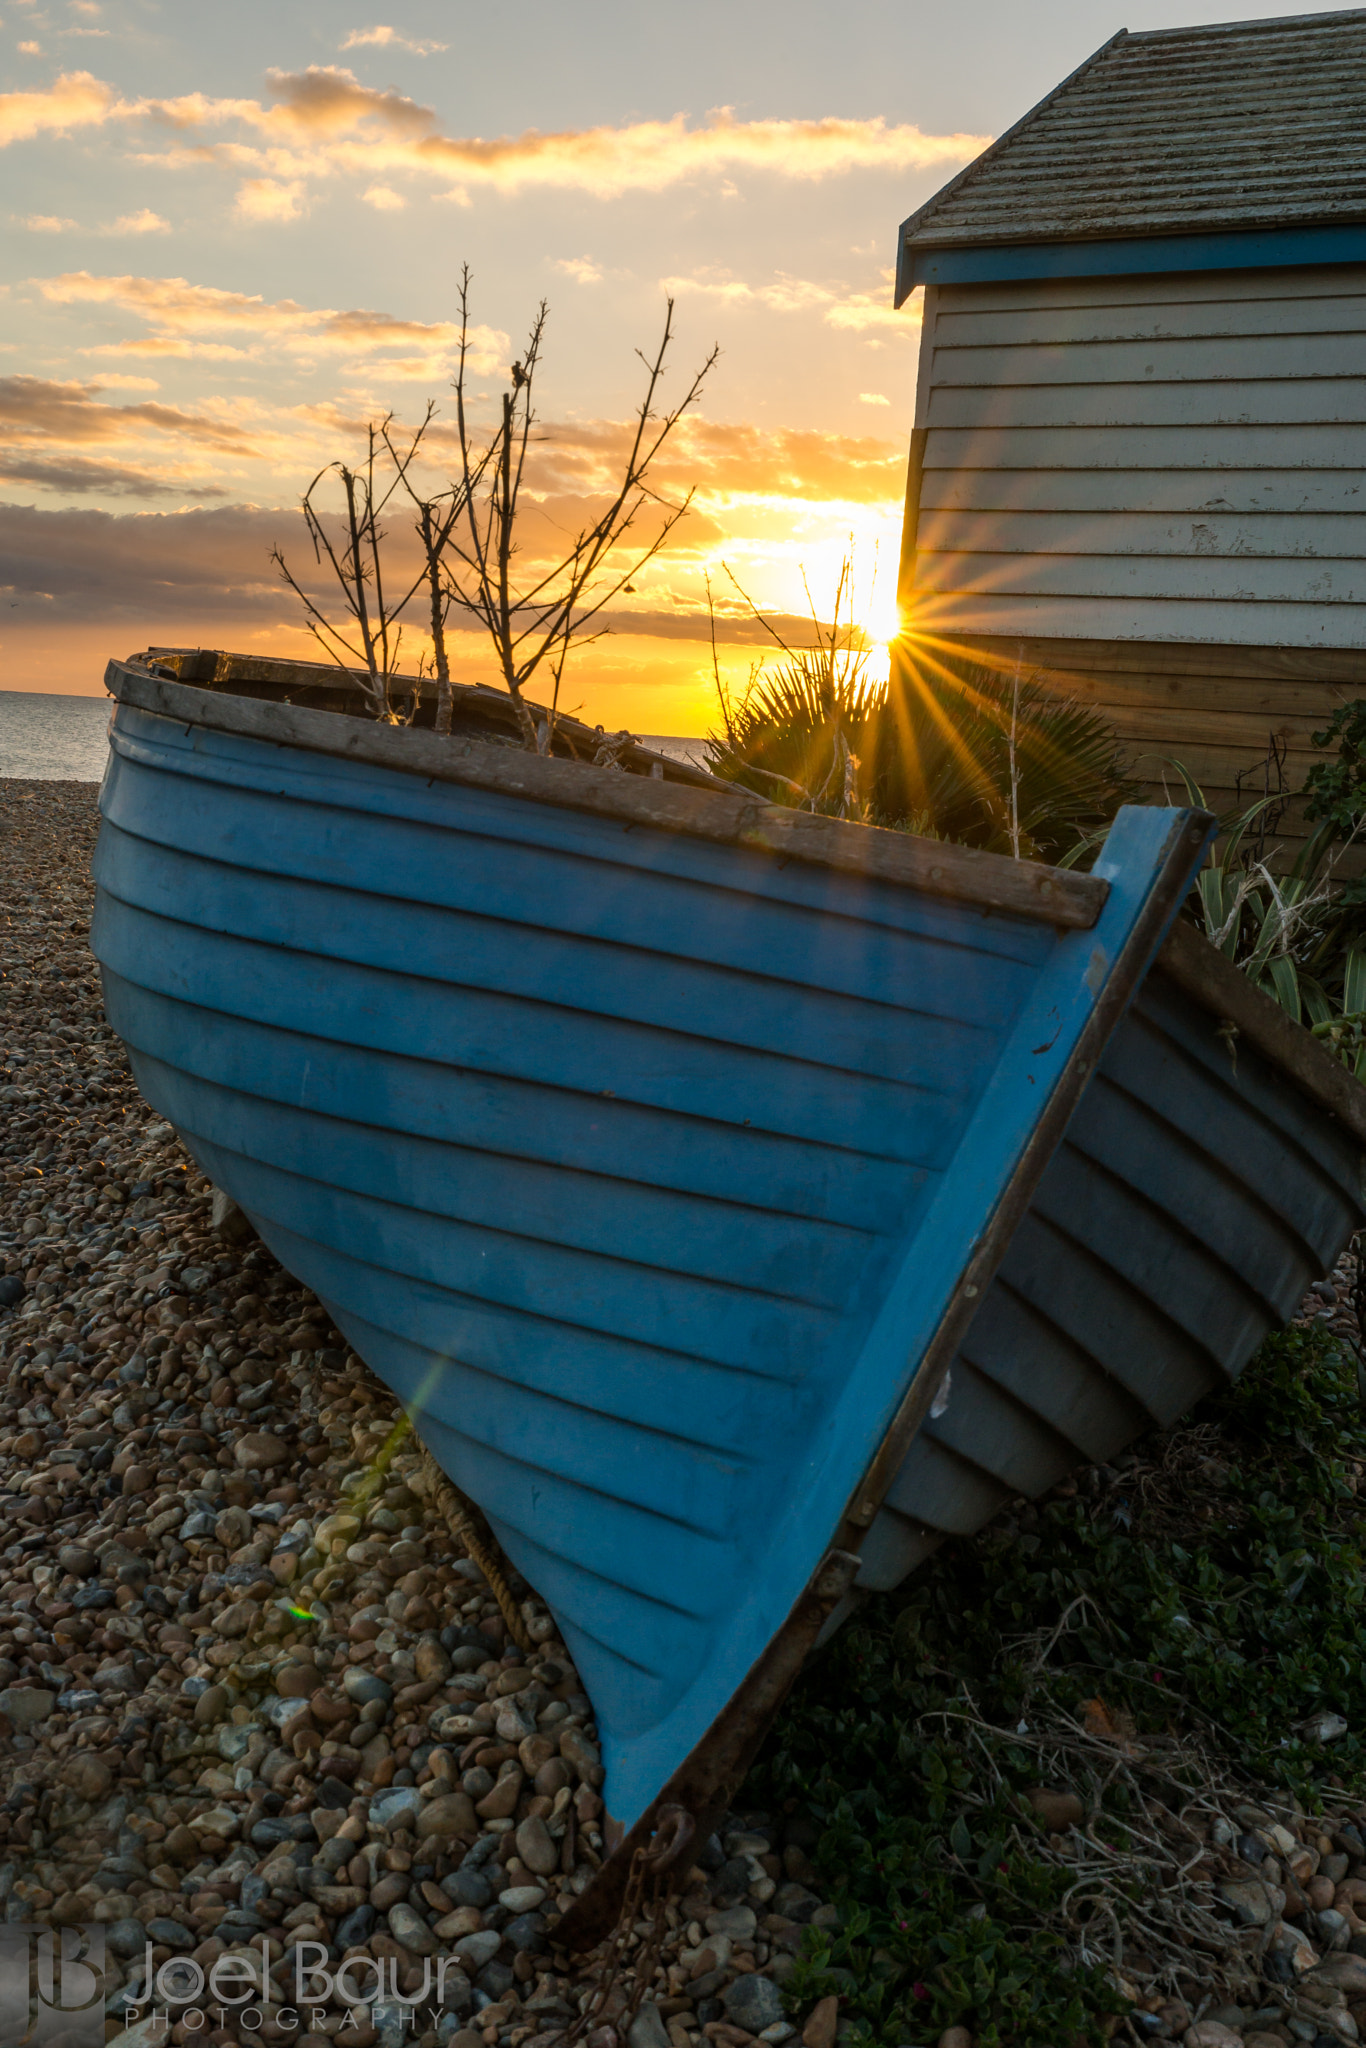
[(991, 882), (1204, 974)]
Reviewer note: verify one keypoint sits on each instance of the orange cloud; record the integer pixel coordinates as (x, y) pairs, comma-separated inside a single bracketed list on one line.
[(75, 100), (179, 314)]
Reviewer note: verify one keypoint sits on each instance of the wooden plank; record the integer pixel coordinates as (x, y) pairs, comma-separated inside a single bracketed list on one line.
[(1303, 706), (1327, 667), (1317, 281), (1294, 492), (935, 867), (1175, 359), (1218, 446), (1275, 402), (1316, 584), (1162, 314), (1248, 536), (1156, 723), (1185, 621)]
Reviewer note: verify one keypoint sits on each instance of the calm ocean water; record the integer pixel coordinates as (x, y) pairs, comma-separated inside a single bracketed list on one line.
[(63, 739), (53, 739)]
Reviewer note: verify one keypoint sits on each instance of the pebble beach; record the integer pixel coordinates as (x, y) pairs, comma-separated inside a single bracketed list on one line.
[(255, 1696)]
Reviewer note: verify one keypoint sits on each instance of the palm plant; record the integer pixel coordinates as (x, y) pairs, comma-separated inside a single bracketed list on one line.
[(991, 759)]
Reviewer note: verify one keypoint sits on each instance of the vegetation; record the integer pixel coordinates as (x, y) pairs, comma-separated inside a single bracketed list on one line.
[(468, 549), (987, 757), (1166, 1631)]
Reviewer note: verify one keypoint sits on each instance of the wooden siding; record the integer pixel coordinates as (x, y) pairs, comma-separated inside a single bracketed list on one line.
[(1217, 711), (1146, 460)]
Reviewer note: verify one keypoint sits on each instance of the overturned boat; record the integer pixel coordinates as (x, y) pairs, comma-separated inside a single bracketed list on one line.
[(740, 1200)]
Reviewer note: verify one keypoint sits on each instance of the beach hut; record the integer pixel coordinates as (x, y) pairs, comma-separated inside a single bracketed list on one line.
[(1140, 434)]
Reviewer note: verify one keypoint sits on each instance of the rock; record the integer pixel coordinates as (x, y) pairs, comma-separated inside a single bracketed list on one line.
[(87, 1776), (1324, 1727), (430, 1660), (647, 2029), (1056, 1811), (396, 1809), (257, 1451), (356, 1927), (27, 1705), (172, 1934), (11, 1290), (450, 1813), (1210, 2034), (819, 2031), (738, 1922), (363, 1687), (1340, 1973), (297, 1681), (411, 1931), (238, 1619), (78, 1561), (211, 1706), (126, 1937), (475, 1950), (753, 2002), (537, 1848), (521, 1898), (467, 1887), (525, 1931), (1254, 1902), (139, 1479), (148, 2033), (501, 1802), (227, 1221), (955, 2037)]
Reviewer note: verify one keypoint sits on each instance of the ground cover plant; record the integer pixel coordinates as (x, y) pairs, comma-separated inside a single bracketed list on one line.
[(1031, 1764)]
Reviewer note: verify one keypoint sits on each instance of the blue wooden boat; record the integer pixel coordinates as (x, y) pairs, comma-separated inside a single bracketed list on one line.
[(660, 1148)]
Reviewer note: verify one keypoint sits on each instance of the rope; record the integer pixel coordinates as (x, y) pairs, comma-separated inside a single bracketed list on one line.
[(465, 1522)]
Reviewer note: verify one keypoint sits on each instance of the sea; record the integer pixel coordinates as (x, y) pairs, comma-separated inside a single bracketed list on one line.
[(50, 738), (47, 738)]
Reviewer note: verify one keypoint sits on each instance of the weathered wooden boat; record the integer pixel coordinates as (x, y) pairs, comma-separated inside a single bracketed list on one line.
[(742, 1200)]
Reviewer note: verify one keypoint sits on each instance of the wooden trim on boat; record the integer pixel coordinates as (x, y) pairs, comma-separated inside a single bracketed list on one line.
[(988, 881), (1213, 981)]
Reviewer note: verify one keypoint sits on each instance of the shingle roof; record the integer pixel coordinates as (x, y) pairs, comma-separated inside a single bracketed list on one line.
[(1248, 124)]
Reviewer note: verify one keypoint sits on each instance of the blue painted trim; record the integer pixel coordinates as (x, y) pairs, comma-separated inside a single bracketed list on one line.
[(1139, 255)]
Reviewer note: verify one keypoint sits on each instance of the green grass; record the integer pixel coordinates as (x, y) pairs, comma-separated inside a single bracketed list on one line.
[(1221, 1599)]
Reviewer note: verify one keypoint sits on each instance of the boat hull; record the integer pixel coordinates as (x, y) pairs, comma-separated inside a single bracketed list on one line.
[(1199, 1190), (659, 1177)]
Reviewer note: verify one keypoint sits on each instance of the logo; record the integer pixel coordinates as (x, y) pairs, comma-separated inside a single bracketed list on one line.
[(51, 1986), (52, 1991)]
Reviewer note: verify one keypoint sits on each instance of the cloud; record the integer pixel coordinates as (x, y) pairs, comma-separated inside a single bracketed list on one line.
[(387, 38), (144, 222), (323, 121), (873, 398), (73, 476), (30, 49), (44, 223), (42, 412), (860, 312), (75, 100), (270, 199), (582, 268), (182, 314), (384, 199)]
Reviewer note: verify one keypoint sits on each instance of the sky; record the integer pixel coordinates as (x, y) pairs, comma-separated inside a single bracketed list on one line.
[(231, 236)]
